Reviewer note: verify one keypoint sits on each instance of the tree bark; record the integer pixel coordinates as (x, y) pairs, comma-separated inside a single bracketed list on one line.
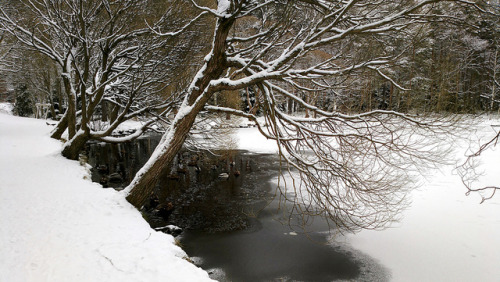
[(494, 81), (147, 178), (113, 115), (73, 147), (61, 126), (104, 111), (71, 110), (68, 121), (197, 96)]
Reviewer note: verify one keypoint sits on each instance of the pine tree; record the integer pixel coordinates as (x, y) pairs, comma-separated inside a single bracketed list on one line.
[(24, 102)]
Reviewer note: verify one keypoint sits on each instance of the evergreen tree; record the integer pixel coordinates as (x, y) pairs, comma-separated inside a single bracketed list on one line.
[(24, 102)]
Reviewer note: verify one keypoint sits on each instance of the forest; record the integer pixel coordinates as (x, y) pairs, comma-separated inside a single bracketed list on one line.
[(440, 66)]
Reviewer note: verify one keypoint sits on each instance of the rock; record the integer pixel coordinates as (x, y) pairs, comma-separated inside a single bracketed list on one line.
[(170, 229), (103, 181), (102, 168), (153, 202), (115, 178), (223, 176), (164, 210), (83, 159)]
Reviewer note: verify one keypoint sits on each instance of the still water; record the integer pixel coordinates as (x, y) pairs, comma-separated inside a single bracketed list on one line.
[(233, 225)]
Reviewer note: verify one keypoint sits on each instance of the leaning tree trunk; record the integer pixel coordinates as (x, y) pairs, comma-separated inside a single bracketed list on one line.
[(75, 145), (147, 178), (61, 126), (198, 95), (71, 111), (68, 121)]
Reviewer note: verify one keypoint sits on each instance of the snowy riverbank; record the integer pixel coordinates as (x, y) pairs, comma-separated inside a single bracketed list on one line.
[(55, 225)]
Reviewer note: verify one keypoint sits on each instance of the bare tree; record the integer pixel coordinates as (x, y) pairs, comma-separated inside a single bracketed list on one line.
[(105, 51), (471, 177), (347, 162)]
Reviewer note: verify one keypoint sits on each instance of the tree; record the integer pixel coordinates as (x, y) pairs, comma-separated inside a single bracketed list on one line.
[(24, 102), (3, 53), (451, 64), (107, 56), (490, 32), (35, 72), (349, 164), (471, 178)]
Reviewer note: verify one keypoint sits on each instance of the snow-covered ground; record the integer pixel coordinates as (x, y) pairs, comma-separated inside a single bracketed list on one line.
[(6, 108), (56, 225), (444, 235)]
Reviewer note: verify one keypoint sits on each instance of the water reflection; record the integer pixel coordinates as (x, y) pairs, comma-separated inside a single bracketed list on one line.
[(210, 191), (225, 205)]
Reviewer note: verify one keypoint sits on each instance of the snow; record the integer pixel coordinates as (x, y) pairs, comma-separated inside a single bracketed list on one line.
[(56, 225), (6, 108), (444, 235), (250, 139), (223, 6)]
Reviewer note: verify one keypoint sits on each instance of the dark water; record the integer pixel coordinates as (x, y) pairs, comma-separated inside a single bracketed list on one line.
[(267, 252), (232, 225)]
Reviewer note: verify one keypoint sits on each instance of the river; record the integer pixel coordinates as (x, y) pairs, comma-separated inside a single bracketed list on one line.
[(233, 225)]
